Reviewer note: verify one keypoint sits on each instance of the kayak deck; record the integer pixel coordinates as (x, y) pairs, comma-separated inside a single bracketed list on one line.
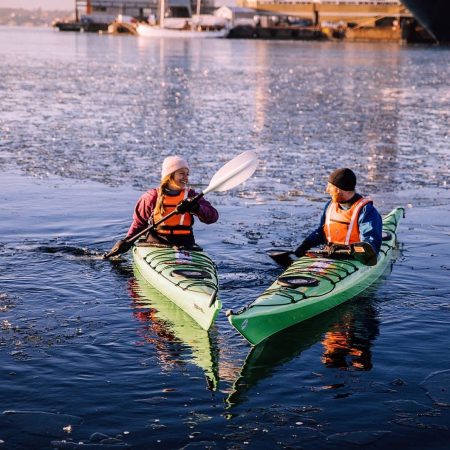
[(311, 285), (186, 277)]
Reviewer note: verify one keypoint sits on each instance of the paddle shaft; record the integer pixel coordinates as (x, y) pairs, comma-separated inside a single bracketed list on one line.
[(364, 253)]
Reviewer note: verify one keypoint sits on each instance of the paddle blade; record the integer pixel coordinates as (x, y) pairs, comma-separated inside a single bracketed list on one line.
[(364, 252), (234, 172), (281, 257)]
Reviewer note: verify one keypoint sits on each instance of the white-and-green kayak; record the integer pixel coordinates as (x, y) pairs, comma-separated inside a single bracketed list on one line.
[(311, 285), (186, 277)]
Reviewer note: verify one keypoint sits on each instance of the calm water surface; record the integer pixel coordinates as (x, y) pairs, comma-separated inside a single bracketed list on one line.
[(91, 354)]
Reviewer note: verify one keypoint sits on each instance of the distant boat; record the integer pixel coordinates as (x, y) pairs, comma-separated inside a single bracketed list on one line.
[(87, 23), (182, 24), (155, 31), (433, 15), (146, 30), (83, 25)]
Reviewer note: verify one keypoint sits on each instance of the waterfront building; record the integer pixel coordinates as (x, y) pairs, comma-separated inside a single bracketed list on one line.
[(366, 13), (360, 13), (105, 11), (383, 20)]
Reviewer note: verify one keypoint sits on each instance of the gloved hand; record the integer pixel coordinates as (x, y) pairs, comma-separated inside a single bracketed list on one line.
[(188, 205), (119, 247), (338, 250), (329, 249)]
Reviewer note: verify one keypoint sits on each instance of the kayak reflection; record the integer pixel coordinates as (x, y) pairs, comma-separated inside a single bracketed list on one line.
[(346, 334), (347, 344), (170, 330)]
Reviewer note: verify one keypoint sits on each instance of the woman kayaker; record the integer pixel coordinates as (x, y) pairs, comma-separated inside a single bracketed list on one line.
[(348, 219), (173, 193)]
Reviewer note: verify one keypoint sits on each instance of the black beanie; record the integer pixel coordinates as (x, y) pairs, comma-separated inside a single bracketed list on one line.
[(343, 179)]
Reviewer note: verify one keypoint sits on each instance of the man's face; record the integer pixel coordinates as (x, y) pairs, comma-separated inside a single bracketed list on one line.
[(336, 194)]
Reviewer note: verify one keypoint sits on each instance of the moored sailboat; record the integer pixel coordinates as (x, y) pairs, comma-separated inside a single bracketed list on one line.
[(176, 20)]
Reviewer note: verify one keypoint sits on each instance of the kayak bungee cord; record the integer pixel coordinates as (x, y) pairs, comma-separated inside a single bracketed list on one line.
[(337, 266), (159, 261)]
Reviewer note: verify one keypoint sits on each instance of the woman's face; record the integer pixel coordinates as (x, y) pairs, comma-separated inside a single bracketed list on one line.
[(180, 179)]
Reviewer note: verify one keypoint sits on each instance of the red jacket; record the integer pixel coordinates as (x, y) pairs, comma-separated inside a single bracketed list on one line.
[(143, 211)]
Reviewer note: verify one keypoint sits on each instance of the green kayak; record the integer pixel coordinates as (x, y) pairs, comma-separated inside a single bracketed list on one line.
[(311, 285), (186, 277), (174, 326)]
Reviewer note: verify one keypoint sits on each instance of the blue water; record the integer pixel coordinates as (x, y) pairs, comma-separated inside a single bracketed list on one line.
[(89, 354)]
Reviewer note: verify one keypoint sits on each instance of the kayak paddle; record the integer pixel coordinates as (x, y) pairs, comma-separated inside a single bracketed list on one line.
[(230, 175), (361, 251)]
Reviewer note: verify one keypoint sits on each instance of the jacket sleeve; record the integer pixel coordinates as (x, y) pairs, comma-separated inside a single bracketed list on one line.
[(205, 212), (143, 212), (316, 237), (370, 226)]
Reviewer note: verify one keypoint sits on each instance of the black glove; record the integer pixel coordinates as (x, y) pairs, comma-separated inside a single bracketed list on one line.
[(338, 250), (119, 247), (188, 205)]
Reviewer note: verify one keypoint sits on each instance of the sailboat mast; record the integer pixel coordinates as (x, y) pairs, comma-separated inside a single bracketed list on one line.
[(162, 10), (198, 7)]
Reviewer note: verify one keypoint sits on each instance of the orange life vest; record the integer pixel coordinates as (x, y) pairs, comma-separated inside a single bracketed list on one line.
[(341, 225), (178, 223)]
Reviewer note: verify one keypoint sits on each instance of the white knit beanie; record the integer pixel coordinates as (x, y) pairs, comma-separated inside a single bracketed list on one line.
[(171, 164)]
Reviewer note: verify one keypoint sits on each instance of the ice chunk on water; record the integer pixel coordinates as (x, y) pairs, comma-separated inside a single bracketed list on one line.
[(437, 386), (42, 423)]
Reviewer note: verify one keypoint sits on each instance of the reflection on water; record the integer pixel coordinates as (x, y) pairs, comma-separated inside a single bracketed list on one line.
[(346, 335), (172, 332), (347, 344)]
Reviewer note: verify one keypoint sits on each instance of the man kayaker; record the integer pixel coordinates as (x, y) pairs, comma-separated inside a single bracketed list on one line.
[(173, 193), (348, 219)]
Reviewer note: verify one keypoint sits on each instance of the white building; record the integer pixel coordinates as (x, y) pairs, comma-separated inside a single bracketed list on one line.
[(105, 11)]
